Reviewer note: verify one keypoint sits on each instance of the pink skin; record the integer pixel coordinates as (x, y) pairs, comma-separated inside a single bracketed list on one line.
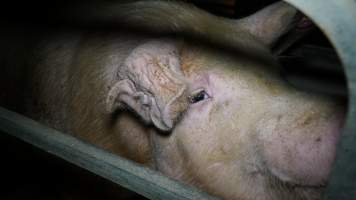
[(250, 126), (251, 137), (305, 160)]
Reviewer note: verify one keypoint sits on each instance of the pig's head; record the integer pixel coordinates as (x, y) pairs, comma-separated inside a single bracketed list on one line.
[(235, 128)]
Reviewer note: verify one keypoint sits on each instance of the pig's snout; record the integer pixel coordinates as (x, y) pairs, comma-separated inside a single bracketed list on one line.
[(301, 148)]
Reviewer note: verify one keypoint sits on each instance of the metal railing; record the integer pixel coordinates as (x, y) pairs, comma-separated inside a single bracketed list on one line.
[(336, 18), (128, 174)]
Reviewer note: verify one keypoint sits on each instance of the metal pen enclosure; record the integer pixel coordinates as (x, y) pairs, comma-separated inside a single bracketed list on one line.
[(334, 18), (337, 20), (142, 180)]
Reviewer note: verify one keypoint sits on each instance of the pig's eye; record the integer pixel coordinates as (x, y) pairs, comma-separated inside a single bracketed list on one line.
[(199, 96)]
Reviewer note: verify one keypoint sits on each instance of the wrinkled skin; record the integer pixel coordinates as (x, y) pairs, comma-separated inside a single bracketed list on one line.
[(219, 120)]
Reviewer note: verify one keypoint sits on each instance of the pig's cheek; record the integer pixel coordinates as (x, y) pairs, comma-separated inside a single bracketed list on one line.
[(175, 155), (190, 135), (166, 156)]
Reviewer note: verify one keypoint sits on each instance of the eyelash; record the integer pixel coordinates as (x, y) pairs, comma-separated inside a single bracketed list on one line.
[(199, 96)]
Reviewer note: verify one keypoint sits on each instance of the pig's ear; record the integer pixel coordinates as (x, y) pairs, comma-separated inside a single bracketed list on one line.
[(271, 22), (150, 83)]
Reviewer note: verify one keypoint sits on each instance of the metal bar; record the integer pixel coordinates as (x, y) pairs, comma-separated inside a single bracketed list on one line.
[(313, 68), (336, 18), (128, 174)]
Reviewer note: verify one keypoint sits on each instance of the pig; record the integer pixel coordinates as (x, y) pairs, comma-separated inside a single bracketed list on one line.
[(200, 99)]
